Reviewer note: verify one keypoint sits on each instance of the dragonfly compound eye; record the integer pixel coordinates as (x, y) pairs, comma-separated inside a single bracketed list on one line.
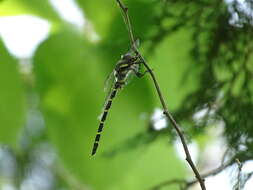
[(126, 57)]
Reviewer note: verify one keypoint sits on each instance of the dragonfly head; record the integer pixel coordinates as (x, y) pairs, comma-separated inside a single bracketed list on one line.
[(127, 57)]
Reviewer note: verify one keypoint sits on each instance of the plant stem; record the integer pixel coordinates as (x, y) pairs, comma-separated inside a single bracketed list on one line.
[(165, 109)]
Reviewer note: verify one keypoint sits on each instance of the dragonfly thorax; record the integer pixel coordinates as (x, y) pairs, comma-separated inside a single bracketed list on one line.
[(124, 67), (127, 56)]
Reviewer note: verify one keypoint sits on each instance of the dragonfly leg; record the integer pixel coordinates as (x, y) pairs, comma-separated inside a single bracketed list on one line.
[(139, 74), (136, 72), (138, 62)]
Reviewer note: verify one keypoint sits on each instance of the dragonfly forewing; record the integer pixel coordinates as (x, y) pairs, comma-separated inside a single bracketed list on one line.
[(109, 81)]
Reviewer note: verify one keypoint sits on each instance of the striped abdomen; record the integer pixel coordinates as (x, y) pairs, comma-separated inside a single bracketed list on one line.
[(103, 118)]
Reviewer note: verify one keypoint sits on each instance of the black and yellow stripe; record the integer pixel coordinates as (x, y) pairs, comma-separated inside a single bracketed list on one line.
[(103, 118), (121, 69)]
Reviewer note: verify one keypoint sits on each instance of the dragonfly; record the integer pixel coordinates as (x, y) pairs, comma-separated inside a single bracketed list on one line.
[(128, 65)]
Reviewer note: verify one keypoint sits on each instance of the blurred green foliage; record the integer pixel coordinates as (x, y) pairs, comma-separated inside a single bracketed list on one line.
[(12, 99), (202, 59), (34, 7)]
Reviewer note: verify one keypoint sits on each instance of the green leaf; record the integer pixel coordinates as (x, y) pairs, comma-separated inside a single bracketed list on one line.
[(158, 163), (35, 7), (70, 81), (108, 21), (174, 68), (12, 103), (99, 12)]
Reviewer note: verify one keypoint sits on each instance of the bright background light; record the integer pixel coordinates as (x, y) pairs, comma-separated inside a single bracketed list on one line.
[(69, 11), (22, 34)]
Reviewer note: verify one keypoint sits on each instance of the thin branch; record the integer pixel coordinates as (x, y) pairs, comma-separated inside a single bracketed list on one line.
[(165, 109), (66, 177), (238, 184), (187, 184), (247, 177), (170, 182), (214, 171), (127, 22)]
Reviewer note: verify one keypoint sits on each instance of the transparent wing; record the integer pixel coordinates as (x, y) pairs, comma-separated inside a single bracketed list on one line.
[(108, 84), (137, 44), (109, 81), (130, 77), (132, 73)]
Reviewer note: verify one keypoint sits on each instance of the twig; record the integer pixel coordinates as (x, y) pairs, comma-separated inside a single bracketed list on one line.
[(247, 177), (187, 184), (165, 109), (68, 178), (238, 184), (213, 172), (128, 23), (169, 182)]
